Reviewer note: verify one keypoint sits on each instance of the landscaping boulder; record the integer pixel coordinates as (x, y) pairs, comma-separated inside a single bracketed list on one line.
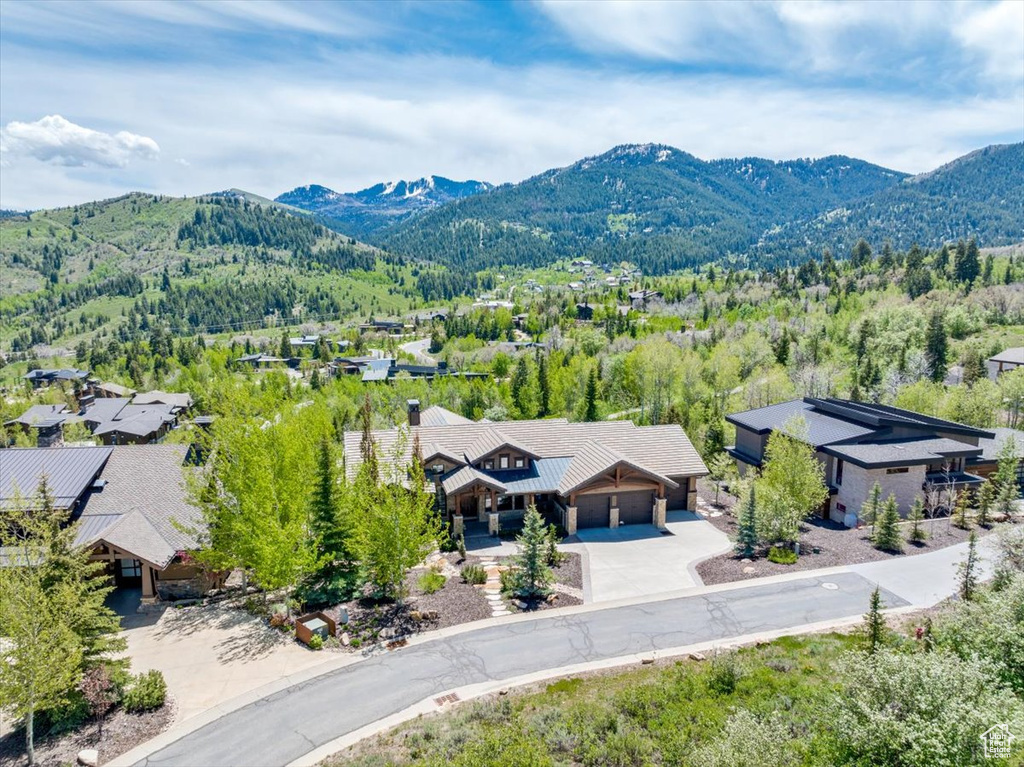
[(88, 757), (697, 656)]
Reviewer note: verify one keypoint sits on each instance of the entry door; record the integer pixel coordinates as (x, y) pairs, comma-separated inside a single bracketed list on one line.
[(128, 572)]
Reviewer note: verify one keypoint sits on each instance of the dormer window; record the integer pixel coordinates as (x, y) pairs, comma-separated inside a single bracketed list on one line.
[(503, 461), (438, 468), (520, 462), (488, 465)]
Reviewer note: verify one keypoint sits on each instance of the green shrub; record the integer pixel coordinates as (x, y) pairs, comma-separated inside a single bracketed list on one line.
[(474, 575), (781, 555), (316, 642), (723, 674), (148, 691), (67, 717), (431, 582)]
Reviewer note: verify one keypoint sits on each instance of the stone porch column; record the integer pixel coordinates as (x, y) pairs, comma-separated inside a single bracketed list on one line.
[(458, 528), (613, 517), (481, 508), (570, 520), (493, 525), (659, 513), (691, 494)]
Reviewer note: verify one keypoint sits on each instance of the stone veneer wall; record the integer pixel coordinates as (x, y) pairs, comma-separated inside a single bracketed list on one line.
[(857, 484)]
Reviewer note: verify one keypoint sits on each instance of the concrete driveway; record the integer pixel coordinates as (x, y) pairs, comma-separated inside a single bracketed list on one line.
[(639, 560)]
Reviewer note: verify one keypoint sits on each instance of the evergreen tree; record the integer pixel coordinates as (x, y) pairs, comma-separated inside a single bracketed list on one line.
[(746, 517), (333, 579), (543, 386), (916, 517), (520, 388), (861, 254), (367, 447), (967, 266), (872, 507), (284, 350), (960, 517), (936, 347), (968, 570), (531, 575), (985, 498), (887, 534), (1006, 488), (875, 627), (590, 410), (782, 349)]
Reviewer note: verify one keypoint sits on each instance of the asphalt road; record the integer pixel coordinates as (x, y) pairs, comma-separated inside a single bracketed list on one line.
[(282, 727)]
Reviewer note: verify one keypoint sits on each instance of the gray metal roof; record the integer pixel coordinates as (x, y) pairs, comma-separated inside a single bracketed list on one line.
[(39, 413), (1014, 356), (902, 452), (465, 476), (69, 472), (822, 429), (439, 416), (592, 459), (544, 476), (157, 397)]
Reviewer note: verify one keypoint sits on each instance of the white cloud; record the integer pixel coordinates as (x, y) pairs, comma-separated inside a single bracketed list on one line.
[(996, 34), (57, 141)]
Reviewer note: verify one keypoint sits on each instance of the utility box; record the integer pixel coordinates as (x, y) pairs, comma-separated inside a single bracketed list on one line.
[(314, 623)]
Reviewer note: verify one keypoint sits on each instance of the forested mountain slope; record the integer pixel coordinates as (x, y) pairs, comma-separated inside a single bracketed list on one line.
[(665, 209)]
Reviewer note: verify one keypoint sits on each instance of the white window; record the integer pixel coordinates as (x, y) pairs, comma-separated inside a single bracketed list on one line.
[(488, 465), (520, 462), (503, 461)]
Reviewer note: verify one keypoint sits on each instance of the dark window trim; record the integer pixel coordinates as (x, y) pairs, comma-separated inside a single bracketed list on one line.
[(839, 471)]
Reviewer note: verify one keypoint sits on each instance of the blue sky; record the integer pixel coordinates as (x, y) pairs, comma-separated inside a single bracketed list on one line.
[(99, 98)]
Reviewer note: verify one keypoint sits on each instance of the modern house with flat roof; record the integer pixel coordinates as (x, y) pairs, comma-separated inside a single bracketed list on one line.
[(861, 443), (583, 475), (130, 504)]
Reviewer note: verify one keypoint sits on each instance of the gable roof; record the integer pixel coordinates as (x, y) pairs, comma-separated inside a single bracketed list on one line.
[(492, 440), (435, 415), (157, 397), (593, 459), (465, 476)]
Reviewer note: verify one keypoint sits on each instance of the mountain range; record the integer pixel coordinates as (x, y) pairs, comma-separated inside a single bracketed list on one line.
[(378, 207), (664, 209)]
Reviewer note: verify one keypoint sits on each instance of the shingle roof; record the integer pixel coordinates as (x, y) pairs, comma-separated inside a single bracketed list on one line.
[(39, 413), (148, 480), (157, 397), (822, 429), (466, 476), (493, 439), (664, 450), (439, 416), (990, 447), (69, 472), (908, 452)]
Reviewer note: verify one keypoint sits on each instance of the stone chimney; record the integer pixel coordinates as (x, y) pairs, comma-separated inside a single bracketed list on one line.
[(50, 433), (414, 412)]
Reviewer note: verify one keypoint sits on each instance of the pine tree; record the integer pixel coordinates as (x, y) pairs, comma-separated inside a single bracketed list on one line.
[(968, 570), (871, 507), (887, 535), (590, 411), (285, 347), (875, 628), (916, 516), (936, 347), (1005, 478), (543, 386), (531, 575), (367, 446), (520, 388), (985, 498), (960, 517), (333, 579), (967, 266), (746, 517)]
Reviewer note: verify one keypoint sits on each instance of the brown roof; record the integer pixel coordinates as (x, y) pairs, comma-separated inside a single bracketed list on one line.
[(660, 450)]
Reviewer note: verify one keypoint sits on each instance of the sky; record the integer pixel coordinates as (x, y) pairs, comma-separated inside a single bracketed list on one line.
[(98, 97)]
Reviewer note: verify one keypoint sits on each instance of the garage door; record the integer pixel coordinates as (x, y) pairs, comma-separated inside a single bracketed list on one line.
[(593, 511), (636, 508)]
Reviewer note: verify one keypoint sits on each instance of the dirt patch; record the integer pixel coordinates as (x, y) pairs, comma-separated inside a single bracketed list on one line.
[(121, 732), (823, 543)]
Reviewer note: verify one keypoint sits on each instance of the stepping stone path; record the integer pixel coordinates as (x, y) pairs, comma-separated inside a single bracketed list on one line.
[(492, 589)]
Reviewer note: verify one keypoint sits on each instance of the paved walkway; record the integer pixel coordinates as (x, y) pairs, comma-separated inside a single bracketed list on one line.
[(285, 724)]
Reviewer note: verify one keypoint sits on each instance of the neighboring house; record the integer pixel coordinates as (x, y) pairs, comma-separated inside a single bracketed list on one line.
[(1005, 361), (262, 361), (113, 420), (986, 464), (583, 475), (375, 369), (391, 327), (860, 443), (641, 298), (304, 341), (131, 506), (102, 390), (584, 312), (44, 377)]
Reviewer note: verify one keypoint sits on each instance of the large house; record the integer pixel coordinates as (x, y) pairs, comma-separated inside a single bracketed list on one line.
[(45, 376), (861, 443), (113, 420), (131, 506), (583, 475)]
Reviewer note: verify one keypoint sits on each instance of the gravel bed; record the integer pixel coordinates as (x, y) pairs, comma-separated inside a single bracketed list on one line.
[(121, 732), (824, 543)]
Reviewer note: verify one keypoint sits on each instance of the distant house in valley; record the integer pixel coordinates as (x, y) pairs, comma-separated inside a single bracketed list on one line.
[(131, 507), (107, 389), (377, 369), (391, 327), (641, 298), (304, 341), (260, 361), (860, 443), (484, 475), (584, 312), (45, 377), (1005, 361)]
